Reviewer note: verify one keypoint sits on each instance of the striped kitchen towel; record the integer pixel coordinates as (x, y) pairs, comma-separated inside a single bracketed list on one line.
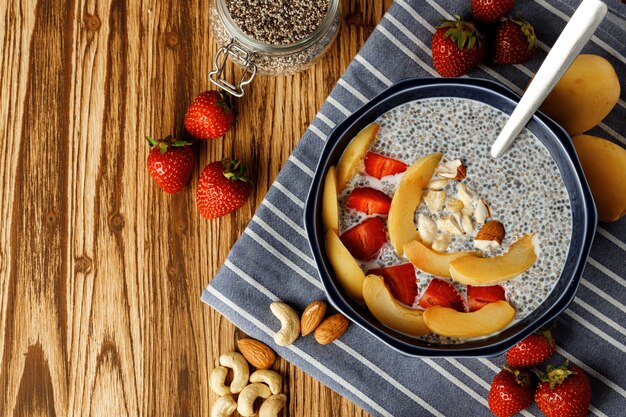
[(272, 260)]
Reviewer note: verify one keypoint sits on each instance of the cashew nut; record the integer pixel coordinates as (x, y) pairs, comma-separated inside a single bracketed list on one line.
[(272, 406), (223, 407), (241, 372), (217, 379), (271, 378), (247, 397), (289, 322)]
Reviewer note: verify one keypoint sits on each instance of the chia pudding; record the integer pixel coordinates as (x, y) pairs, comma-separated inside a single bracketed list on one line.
[(523, 188)]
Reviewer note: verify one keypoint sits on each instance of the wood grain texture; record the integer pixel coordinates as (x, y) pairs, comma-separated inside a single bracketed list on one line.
[(100, 271)]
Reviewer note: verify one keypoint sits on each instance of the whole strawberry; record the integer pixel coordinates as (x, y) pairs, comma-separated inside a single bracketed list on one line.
[(515, 42), (170, 163), (511, 391), (457, 47), (210, 115), (490, 11), (563, 392), (532, 351), (223, 187)]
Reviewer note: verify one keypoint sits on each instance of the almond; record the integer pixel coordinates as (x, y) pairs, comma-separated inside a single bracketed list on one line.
[(452, 170), (331, 329), (257, 353), (492, 231), (312, 316)]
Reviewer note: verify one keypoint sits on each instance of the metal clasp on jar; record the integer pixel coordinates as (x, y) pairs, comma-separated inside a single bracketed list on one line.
[(240, 56)]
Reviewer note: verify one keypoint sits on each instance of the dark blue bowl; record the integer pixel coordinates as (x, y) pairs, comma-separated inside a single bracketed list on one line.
[(558, 143)]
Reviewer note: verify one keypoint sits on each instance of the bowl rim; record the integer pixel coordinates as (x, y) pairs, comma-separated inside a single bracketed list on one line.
[(381, 332)]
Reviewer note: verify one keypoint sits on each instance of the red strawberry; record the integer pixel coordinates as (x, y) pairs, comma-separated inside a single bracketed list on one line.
[(515, 43), (477, 297), (511, 392), (380, 166), (442, 293), (457, 47), (369, 201), (170, 163), (532, 351), (490, 11), (365, 239), (223, 187), (210, 115), (563, 392), (401, 281)]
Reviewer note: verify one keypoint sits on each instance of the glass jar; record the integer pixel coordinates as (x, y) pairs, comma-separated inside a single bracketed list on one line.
[(255, 56)]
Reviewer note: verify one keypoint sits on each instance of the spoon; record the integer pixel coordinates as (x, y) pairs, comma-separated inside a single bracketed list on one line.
[(577, 32)]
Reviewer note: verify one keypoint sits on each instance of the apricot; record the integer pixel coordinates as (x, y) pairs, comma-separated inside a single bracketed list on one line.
[(585, 95), (401, 220), (330, 209), (470, 270), (347, 270), (389, 311), (353, 155), (490, 319), (604, 164), (430, 261)]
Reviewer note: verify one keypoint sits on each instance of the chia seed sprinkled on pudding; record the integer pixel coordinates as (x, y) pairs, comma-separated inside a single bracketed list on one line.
[(277, 22), (524, 188)]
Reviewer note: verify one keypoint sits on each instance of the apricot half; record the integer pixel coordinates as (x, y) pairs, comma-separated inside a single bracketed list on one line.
[(330, 209), (389, 311), (347, 270), (448, 322), (471, 270), (353, 155), (430, 261), (604, 164), (585, 95), (401, 220)]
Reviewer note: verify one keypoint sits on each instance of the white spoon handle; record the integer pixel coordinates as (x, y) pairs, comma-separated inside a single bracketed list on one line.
[(577, 32)]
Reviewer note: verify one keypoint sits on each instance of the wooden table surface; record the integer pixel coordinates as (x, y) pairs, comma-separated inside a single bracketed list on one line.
[(101, 272)]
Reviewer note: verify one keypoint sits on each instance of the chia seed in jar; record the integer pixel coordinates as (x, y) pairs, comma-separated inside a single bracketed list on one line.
[(277, 22), (276, 37)]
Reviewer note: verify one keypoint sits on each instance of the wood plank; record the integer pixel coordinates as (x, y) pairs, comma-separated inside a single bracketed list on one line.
[(100, 271)]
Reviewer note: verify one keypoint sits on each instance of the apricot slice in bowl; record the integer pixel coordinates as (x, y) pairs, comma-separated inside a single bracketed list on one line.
[(471, 270), (401, 219), (389, 311), (330, 209), (490, 319), (347, 270), (430, 261), (353, 155)]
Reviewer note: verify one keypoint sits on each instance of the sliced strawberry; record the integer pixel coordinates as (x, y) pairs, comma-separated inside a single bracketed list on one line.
[(442, 293), (401, 281), (477, 297), (369, 201), (380, 166), (365, 239)]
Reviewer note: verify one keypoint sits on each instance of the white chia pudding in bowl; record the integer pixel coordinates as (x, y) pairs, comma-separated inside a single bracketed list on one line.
[(510, 214)]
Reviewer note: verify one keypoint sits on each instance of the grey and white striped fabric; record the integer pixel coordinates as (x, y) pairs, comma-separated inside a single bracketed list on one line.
[(272, 261)]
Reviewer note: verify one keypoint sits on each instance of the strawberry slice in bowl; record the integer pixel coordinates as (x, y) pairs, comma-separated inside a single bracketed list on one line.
[(365, 239), (401, 281), (380, 166), (369, 201), (477, 296), (442, 293)]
